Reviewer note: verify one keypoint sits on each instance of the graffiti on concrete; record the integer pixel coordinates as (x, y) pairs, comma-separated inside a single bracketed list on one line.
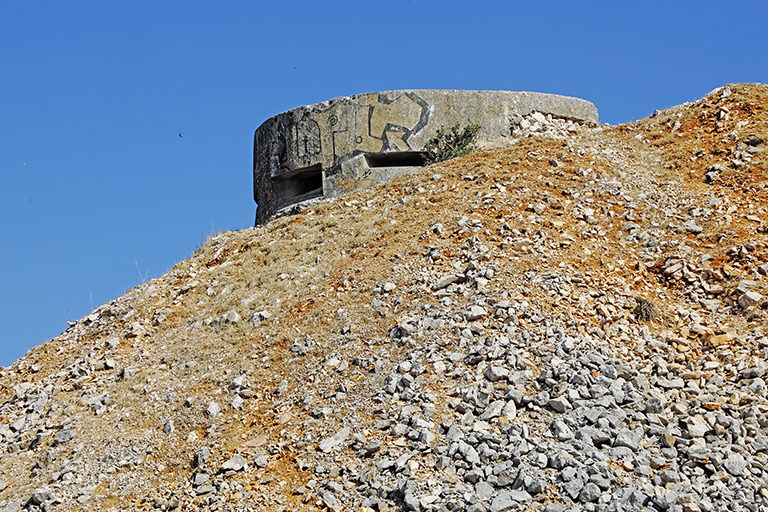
[(307, 139), (381, 124)]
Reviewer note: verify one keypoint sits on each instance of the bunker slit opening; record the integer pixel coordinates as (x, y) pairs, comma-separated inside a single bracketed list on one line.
[(300, 185), (399, 159)]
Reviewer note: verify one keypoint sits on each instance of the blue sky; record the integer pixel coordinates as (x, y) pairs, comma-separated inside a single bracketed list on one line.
[(98, 191)]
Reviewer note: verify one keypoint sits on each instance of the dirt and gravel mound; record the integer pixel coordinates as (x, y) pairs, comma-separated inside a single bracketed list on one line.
[(574, 322)]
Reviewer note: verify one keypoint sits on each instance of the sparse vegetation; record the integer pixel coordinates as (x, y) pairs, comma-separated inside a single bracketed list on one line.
[(644, 311), (454, 143)]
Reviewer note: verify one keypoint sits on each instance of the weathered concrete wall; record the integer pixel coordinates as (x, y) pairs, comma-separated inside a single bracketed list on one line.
[(331, 148)]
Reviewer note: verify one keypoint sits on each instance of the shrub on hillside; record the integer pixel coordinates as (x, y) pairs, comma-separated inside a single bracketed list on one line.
[(454, 143)]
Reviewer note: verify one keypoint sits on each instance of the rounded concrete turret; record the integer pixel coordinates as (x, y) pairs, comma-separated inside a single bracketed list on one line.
[(332, 148)]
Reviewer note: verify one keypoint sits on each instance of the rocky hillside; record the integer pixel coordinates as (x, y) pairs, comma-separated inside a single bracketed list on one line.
[(574, 322)]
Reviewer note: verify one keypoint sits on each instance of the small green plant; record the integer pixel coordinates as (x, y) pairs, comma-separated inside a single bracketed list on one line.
[(454, 143)]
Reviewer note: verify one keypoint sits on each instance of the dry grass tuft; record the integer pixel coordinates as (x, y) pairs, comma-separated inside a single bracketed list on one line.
[(645, 310)]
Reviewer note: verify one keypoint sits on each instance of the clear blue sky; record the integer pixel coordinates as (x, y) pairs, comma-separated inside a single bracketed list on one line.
[(95, 180)]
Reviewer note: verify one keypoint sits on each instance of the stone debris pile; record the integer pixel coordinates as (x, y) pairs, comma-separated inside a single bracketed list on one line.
[(537, 123)]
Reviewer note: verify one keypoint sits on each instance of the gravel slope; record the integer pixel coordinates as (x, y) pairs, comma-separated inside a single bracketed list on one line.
[(574, 322)]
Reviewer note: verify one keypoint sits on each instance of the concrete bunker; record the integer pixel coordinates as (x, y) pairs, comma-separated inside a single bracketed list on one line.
[(329, 149)]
